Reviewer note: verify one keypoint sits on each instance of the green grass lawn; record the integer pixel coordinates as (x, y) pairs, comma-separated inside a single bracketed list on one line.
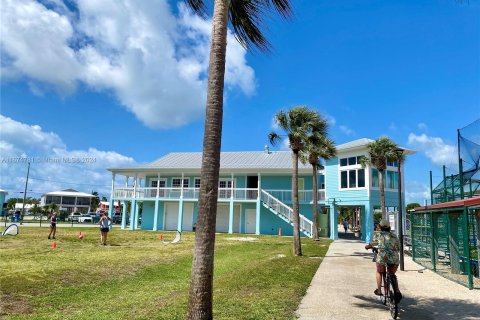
[(137, 277)]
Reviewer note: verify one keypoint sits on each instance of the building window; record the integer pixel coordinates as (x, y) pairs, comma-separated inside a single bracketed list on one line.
[(392, 180), (351, 179), (344, 179), (343, 162), (375, 179), (392, 164), (197, 183), (361, 178), (176, 182)]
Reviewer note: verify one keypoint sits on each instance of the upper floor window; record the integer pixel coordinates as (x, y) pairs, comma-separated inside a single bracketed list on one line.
[(350, 179), (392, 163), (177, 182), (390, 179), (350, 161), (197, 183)]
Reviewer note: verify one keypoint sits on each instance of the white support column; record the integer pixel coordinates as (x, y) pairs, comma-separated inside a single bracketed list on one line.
[(259, 205), (155, 217), (158, 185), (133, 211), (110, 207), (180, 206), (137, 208), (124, 214), (230, 218)]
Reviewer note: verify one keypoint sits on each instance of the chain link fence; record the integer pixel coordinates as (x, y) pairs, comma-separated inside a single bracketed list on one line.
[(447, 242)]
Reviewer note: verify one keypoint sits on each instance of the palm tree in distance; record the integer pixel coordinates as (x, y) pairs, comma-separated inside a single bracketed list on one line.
[(379, 152), (298, 123), (317, 146), (246, 18)]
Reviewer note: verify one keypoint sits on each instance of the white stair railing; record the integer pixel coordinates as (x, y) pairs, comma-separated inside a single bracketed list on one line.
[(285, 211)]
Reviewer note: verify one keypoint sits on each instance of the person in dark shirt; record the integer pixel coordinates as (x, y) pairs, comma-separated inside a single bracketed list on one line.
[(53, 226)]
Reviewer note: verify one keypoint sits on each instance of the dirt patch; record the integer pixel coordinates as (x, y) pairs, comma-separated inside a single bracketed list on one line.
[(14, 305), (242, 239)]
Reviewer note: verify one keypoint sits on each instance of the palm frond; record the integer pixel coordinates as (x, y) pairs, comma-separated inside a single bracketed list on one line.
[(274, 138), (198, 6), (248, 18)]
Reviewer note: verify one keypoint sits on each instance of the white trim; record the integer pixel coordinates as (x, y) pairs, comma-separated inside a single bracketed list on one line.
[(356, 168), (182, 180)]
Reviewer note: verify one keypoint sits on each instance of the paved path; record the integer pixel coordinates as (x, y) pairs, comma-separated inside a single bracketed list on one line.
[(343, 288)]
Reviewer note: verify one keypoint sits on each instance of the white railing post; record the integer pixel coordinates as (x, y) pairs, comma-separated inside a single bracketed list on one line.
[(158, 185)]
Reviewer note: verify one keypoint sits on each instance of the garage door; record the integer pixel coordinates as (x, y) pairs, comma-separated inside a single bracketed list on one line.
[(187, 221), (250, 220), (171, 216), (223, 217)]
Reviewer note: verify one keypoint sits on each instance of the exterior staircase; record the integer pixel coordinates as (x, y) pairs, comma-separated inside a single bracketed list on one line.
[(285, 213)]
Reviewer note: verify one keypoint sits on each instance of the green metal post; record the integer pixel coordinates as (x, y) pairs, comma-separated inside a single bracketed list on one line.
[(453, 188), (412, 235), (431, 188), (460, 176), (471, 193), (432, 244), (466, 249), (444, 184)]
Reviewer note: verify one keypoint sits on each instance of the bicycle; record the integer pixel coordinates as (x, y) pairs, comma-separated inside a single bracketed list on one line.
[(389, 283)]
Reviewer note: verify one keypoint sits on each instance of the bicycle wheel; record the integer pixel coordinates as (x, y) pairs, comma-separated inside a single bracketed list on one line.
[(392, 303)]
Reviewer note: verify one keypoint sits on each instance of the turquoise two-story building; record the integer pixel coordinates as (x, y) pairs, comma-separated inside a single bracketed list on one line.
[(255, 192)]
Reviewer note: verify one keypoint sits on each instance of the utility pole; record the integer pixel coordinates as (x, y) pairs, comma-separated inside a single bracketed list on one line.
[(400, 215), (25, 193)]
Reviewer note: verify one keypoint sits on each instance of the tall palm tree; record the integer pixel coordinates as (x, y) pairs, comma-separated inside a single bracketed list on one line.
[(379, 152), (246, 18), (317, 146), (298, 123)]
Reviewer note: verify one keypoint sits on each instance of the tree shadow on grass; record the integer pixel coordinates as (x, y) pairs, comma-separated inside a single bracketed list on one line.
[(426, 308)]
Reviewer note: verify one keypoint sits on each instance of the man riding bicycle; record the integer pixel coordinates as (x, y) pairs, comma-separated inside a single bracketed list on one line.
[(388, 253)]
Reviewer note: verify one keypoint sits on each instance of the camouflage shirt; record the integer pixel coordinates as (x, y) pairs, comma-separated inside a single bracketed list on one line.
[(388, 247)]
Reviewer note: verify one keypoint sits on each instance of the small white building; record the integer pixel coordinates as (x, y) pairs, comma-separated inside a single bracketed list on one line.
[(19, 207), (68, 200)]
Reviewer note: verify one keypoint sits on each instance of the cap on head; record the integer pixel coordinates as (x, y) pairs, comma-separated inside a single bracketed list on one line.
[(384, 223)]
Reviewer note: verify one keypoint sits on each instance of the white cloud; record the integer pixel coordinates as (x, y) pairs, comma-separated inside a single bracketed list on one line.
[(392, 127), (330, 120), (439, 152), (154, 62), (53, 165), (416, 192), (422, 126), (285, 144), (346, 130)]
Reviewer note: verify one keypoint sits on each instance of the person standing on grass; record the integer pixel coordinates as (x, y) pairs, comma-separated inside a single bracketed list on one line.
[(105, 224), (53, 226)]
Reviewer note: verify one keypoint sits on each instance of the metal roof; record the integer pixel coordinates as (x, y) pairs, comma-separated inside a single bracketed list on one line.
[(362, 143), (229, 160), (68, 193), (261, 161)]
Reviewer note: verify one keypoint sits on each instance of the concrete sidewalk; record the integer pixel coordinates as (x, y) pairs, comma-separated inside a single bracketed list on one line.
[(343, 288)]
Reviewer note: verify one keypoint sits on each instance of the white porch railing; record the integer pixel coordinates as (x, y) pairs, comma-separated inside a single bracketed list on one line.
[(186, 193), (303, 195), (287, 212)]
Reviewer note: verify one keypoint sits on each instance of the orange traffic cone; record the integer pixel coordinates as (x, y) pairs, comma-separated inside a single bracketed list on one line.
[(54, 245), (161, 237)]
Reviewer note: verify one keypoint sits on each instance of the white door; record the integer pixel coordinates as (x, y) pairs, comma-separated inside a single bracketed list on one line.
[(171, 216), (301, 187), (250, 220), (187, 220), (236, 219), (222, 218)]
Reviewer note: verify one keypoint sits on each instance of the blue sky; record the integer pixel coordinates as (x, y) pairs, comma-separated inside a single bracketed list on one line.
[(124, 82)]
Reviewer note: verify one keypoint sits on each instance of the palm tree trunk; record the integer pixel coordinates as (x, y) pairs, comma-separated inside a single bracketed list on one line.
[(201, 287), (297, 247), (315, 202), (382, 193)]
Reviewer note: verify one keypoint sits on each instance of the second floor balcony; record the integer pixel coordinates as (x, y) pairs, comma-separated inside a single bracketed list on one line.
[(224, 194)]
